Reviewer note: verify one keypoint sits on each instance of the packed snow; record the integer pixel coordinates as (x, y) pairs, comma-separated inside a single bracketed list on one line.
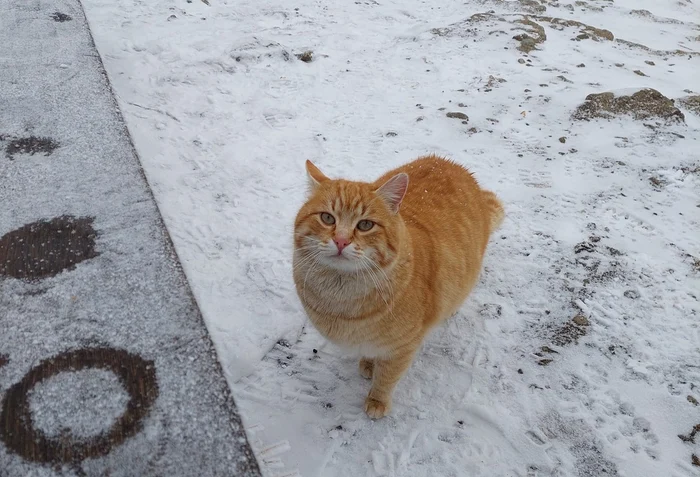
[(577, 354)]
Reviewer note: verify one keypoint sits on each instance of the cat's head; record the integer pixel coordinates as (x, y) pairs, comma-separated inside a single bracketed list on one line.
[(350, 226)]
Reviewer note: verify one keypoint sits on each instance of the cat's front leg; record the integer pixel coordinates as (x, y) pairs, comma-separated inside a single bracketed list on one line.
[(386, 373), (366, 367)]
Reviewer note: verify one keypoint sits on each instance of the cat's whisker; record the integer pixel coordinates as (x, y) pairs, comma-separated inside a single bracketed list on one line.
[(384, 277), (378, 285), (313, 265), (302, 262), (387, 282), (314, 246), (360, 269), (305, 261)]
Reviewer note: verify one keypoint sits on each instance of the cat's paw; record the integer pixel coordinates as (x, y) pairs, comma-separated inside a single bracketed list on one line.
[(377, 409), (366, 368)]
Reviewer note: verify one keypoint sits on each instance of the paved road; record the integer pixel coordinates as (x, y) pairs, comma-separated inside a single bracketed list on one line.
[(106, 367)]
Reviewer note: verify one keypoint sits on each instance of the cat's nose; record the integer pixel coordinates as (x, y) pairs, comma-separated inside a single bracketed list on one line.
[(341, 243)]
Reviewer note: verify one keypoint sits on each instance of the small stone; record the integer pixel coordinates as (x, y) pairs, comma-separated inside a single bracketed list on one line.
[(520, 371), (650, 63), (391, 134), (306, 57), (460, 422), (692, 400), (458, 115), (462, 105), (631, 294), (544, 362), (521, 61), (619, 65), (549, 350), (581, 320), (315, 351), (639, 72), (581, 65), (562, 140), (695, 460)]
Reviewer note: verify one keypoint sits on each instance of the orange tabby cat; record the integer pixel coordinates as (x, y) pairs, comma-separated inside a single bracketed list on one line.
[(378, 264)]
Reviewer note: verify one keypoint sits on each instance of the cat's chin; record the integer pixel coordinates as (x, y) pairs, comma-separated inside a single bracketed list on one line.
[(340, 263)]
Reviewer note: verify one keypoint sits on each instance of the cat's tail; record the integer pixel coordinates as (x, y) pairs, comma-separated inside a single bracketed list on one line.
[(494, 205)]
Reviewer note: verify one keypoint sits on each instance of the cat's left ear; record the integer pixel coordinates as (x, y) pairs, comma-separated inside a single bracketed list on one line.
[(315, 176), (394, 190)]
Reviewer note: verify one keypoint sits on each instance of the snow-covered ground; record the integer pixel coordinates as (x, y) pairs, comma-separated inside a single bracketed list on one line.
[(578, 352)]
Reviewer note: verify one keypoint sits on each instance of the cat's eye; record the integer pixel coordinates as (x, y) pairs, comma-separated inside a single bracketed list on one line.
[(327, 218), (365, 225)]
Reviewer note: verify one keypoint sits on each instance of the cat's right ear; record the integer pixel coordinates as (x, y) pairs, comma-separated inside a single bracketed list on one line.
[(315, 176)]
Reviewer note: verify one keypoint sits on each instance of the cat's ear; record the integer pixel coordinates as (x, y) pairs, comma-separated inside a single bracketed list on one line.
[(394, 190), (315, 176)]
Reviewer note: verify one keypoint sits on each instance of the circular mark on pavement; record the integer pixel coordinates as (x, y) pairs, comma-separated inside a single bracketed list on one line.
[(45, 248), (30, 145), (61, 17), (17, 430)]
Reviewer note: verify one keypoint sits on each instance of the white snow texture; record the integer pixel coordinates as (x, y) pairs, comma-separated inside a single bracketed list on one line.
[(602, 224)]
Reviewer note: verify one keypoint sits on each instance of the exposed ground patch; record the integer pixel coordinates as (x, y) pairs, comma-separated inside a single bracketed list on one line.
[(30, 145), (691, 103), (61, 17), (641, 105)]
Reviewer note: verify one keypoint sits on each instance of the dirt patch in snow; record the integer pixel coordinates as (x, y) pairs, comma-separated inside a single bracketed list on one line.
[(653, 51), (571, 331), (61, 17), (47, 247), (641, 105), (30, 145), (691, 103), (534, 33)]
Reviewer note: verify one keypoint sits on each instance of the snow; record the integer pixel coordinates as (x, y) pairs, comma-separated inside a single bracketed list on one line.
[(75, 401), (223, 116)]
